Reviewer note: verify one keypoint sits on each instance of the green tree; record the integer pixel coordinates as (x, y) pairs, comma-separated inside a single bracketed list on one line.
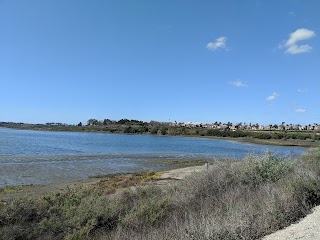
[(238, 126), (92, 122), (123, 121), (163, 130), (106, 121)]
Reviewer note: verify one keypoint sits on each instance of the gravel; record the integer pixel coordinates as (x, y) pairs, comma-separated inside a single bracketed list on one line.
[(307, 228)]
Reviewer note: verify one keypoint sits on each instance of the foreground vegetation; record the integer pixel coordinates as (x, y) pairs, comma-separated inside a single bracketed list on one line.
[(232, 200)]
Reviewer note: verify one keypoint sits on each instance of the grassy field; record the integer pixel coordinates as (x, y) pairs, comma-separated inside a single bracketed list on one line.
[(231, 200)]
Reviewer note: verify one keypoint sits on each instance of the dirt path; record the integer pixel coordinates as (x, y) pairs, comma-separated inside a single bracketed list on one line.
[(307, 229), (177, 174)]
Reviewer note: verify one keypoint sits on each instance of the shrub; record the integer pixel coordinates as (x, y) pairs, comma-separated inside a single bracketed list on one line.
[(77, 212), (148, 207), (163, 130), (262, 135), (19, 218), (154, 131), (266, 168), (213, 132), (276, 135)]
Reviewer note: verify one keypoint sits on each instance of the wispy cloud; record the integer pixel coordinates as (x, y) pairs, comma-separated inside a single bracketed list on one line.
[(300, 110), (273, 96), (292, 46), (301, 90), (220, 42), (292, 14), (238, 83)]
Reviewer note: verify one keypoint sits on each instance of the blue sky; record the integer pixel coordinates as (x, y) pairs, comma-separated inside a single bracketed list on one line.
[(186, 61)]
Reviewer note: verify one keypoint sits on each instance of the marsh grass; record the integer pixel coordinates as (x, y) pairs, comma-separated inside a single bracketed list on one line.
[(110, 183), (232, 200), (183, 162), (8, 189)]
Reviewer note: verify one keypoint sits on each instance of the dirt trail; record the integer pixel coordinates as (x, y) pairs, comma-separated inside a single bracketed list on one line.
[(177, 174), (307, 228)]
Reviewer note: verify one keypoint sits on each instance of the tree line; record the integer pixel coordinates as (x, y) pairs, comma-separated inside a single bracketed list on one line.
[(159, 128)]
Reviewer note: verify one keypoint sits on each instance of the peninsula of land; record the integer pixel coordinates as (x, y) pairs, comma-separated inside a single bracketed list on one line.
[(282, 134)]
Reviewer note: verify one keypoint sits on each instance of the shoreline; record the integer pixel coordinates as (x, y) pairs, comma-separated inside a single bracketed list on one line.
[(272, 142), (258, 141), (157, 177)]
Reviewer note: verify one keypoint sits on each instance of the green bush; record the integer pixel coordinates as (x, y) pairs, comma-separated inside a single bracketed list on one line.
[(19, 218), (266, 168), (163, 130), (148, 207), (302, 136), (154, 131), (262, 135), (213, 132), (78, 212), (276, 135)]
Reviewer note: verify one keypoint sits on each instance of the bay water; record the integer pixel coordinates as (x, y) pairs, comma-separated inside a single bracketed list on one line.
[(43, 157)]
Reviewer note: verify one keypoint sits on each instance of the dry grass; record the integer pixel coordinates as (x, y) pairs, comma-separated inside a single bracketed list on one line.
[(112, 182), (232, 200)]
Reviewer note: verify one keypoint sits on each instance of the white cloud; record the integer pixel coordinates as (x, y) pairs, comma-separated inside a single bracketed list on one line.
[(301, 90), (300, 110), (270, 98), (299, 35), (292, 46), (295, 49), (273, 96), (238, 83), (220, 42)]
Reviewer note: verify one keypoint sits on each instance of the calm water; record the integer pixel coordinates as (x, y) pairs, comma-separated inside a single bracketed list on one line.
[(36, 157)]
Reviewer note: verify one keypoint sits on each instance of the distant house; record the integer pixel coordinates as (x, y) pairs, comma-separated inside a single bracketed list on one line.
[(222, 127), (309, 128), (233, 128), (295, 127), (266, 127)]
